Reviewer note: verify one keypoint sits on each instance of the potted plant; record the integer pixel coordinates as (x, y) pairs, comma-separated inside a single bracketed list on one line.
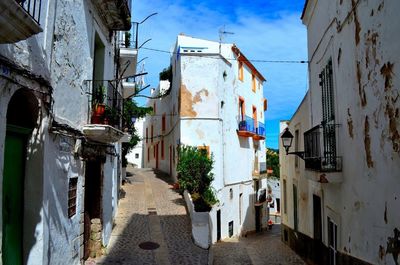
[(111, 116), (98, 106)]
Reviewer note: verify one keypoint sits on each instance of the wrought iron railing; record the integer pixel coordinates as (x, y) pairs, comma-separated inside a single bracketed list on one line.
[(32, 7), (113, 101), (247, 125), (128, 39), (318, 155)]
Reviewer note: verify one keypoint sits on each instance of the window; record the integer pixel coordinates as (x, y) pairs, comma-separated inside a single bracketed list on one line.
[(296, 147), (284, 197), (240, 74), (295, 213), (255, 117), (152, 131), (242, 111), (253, 83), (154, 108), (332, 241), (154, 150), (148, 154), (205, 149), (162, 149), (163, 125), (72, 196), (328, 114), (278, 205), (136, 155), (265, 104), (147, 135)]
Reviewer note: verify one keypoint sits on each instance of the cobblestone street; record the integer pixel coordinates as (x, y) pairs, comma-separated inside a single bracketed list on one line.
[(150, 211), (265, 248)]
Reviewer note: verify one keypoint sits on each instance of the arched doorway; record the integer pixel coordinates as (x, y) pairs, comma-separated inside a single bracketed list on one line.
[(22, 115)]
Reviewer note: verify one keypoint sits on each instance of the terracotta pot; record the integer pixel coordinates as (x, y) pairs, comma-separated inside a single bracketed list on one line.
[(99, 109)]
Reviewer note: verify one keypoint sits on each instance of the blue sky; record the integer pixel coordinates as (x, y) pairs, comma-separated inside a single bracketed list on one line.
[(263, 30)]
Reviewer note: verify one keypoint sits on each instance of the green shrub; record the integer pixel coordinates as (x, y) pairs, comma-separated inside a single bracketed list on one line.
[(195, 176)]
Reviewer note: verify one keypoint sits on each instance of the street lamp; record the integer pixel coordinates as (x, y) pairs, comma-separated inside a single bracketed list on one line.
[(287, 139)]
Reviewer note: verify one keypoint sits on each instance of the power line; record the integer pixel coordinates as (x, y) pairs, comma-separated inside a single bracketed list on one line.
[(233, 59)]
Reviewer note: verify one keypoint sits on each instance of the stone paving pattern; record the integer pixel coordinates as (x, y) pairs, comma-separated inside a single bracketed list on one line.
[(134, 225), (265, 248), (170, 228)]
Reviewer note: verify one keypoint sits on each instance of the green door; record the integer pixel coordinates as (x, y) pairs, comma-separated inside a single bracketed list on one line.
[(13, 187)]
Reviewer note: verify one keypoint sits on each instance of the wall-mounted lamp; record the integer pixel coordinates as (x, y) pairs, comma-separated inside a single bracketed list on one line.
[(287, 139)]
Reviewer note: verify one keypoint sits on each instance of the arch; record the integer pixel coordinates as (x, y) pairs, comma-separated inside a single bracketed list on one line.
[(22, 117), (23, 109)]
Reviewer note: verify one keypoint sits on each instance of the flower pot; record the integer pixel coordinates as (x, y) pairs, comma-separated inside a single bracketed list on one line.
[(99, 109)]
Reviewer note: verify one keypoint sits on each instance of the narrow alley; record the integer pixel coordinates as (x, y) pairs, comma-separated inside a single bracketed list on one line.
[(152, 227)]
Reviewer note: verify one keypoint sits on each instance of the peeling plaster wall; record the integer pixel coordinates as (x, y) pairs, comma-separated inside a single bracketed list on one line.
[(63, 55), (203, 109), (62, 235), (364, 51), (73, 56)]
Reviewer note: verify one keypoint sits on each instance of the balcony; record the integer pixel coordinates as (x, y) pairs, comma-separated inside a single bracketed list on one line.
[(260, 132), (106, 113), (320, 149), (259, 170), (19, 20), (127, 53), (115, 13), (246, 127)]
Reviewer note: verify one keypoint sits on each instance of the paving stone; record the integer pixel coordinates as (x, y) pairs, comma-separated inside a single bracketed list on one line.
[(134, 226)]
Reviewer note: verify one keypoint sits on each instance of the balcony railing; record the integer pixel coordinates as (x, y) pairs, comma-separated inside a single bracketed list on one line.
[(320, 149), (116, 14), (32, 7), (113, 102), (260, 132), (19, 19), (127, 39), (246, 127)]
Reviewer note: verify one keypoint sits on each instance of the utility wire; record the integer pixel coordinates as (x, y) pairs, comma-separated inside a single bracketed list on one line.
[(233, 59)]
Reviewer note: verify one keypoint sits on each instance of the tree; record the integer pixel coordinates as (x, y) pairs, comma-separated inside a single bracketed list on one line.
[(273, 162), (130, 113)]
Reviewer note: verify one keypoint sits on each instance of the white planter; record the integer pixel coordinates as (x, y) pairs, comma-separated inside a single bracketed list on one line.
[(200, 224)]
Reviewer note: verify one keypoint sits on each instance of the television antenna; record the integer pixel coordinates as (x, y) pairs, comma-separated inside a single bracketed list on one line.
[(222, 33)]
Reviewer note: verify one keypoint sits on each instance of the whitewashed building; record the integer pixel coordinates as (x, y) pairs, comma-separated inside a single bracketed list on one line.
[(59, 167), (135, 156), (346, 190), (216, 102)]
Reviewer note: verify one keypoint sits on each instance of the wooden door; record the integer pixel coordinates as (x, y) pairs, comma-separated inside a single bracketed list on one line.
[(13, 194)]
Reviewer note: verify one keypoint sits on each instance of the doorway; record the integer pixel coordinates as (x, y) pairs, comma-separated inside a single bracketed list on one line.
[(93, 199), (317, 216), (332, 241), (22, 115), (218, 225), (295, 211)]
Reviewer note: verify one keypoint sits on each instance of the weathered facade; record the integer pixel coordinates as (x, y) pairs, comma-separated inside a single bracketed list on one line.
[(347, 187), (59, 168), (215, 102)]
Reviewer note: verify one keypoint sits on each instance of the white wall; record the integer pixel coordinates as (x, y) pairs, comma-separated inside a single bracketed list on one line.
[(63, 56), (138, 150), (203, 110), (365, 66)]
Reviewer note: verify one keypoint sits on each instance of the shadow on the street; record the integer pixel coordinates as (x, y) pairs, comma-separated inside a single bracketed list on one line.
[(176, 229)]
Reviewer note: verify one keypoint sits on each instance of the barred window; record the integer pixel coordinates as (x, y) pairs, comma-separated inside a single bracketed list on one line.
[(72, 196)]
